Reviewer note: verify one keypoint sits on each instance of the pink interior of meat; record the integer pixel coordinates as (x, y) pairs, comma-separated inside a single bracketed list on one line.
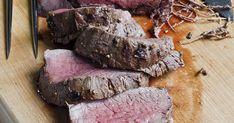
[(53, 4), (140, 105), (90, 2), (122, 3), (64, 64), (60, 11), (132, 3)]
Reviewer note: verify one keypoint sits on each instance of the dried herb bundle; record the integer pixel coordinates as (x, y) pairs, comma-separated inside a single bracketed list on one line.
[(218, 33), (191, 11)]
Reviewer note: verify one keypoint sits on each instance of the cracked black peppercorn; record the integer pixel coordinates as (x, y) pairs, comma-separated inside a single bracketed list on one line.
[(140, 53), (189, 36)]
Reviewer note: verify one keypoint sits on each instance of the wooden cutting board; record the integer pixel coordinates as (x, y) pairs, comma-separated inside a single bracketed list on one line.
[(207, 99)]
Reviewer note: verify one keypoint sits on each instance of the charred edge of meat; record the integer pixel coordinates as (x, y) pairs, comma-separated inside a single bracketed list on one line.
[(55, 94), (74, 3)]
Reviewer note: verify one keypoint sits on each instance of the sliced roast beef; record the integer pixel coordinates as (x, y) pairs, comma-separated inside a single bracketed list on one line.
[(138, 54), (44, 6), (142, 105), (62, 23), (67, 77)]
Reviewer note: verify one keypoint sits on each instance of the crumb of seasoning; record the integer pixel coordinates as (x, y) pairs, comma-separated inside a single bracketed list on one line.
[(166, 31), (189, 35), (201, 71)]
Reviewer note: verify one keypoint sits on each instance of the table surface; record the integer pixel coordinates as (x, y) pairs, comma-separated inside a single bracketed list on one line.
[(215, 91)]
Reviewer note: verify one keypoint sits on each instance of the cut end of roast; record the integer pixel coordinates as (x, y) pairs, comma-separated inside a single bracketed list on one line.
[(142, 105)]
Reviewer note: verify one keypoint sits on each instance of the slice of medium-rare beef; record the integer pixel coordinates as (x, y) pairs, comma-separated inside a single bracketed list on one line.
[(44, 6), (63, 23), (67, 77), (110, 50), (141, 105)]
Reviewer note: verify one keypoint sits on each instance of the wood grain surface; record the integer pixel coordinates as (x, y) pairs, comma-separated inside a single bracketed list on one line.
[(215, 91)]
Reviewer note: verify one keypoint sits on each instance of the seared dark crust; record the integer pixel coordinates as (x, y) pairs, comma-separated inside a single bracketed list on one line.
[(62, 26)]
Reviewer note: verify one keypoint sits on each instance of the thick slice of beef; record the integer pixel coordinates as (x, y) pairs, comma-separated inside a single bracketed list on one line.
[(142, 105), (67, 77), (44, 6), (63, 23), (138, 54)]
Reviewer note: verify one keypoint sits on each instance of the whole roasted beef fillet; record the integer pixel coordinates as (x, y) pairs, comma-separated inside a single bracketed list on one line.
[(152, 56), (67, 77), (66, 25), (142, 105)]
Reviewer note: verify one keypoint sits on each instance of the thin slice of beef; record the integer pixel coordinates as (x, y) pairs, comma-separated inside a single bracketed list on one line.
[(63, 23), (142, 105), (146, 55), (70, 78), (44, 6)]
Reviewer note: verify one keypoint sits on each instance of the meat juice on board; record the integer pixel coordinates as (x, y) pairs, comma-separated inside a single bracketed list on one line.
[(184, 87)]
